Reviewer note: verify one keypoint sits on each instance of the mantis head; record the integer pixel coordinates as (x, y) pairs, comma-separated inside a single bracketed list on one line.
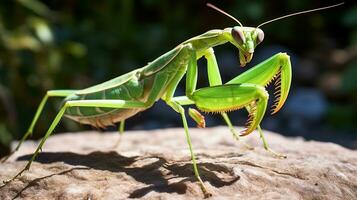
[(246, 39)]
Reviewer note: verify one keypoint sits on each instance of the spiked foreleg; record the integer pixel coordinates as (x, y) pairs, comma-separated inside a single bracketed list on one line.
[(215, 79), (277, 68), (230, 97)]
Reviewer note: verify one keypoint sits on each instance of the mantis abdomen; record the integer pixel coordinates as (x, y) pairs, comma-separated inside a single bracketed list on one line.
[(138, 85)]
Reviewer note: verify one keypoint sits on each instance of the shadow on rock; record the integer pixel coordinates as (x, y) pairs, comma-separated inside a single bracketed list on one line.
[(154, 171), (110, 161), (36, 180)]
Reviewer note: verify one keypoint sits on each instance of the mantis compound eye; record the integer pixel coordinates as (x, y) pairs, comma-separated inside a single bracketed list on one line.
[(260, 37), (238, 36)]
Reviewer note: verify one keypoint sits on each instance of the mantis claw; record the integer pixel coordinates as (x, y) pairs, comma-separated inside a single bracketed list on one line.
[(266, 146), (117, 143), (204, 189), (246, 145), (237, 138), (121, 133), (4, 159), (12, 179), (278, 155), (27, 167)]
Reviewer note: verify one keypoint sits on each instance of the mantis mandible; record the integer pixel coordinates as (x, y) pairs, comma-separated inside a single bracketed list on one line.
[(120, 98)]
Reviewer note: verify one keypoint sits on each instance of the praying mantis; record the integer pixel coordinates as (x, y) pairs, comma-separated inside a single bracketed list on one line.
[(121, 98)]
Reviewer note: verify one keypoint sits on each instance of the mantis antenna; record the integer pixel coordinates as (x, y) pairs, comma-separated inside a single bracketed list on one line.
[(299, 13), (221, 11)]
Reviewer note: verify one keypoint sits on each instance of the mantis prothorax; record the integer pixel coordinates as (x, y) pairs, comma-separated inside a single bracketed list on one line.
[(120, 98)]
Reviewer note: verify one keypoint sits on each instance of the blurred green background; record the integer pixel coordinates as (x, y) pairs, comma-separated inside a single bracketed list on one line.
[(73, 44)]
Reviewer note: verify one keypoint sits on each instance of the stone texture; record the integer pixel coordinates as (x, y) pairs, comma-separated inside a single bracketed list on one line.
[(156, 165)]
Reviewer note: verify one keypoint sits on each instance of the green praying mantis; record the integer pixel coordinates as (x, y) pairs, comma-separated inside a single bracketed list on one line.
[(120, 98)]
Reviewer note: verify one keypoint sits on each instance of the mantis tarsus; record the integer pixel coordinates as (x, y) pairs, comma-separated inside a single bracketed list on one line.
[(122, 97)]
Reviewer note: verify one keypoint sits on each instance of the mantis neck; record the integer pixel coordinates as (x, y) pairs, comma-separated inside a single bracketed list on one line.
[(210, 39)]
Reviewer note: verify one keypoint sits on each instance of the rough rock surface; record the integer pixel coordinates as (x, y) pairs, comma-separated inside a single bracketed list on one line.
[(156, 165)]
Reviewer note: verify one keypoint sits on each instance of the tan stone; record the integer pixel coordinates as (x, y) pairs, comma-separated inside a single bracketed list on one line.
[(156, 165)]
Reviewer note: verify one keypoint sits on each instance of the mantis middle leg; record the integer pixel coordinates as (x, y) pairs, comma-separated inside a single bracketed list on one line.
[(191, 81)]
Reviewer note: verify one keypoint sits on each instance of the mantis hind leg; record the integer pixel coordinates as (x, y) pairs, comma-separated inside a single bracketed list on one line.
[(78, 103), (50, 93)]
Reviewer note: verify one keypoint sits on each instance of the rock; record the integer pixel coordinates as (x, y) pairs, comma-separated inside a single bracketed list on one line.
[(156, 165)]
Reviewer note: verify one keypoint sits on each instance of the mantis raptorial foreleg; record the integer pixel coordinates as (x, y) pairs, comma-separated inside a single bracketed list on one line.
[(214, 78), (50, 93), (78, 103), (277, 66), (232, 97)]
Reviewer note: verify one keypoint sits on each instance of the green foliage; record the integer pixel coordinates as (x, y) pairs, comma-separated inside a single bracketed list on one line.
[(349, 80), (5, 139), (342, 116)]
